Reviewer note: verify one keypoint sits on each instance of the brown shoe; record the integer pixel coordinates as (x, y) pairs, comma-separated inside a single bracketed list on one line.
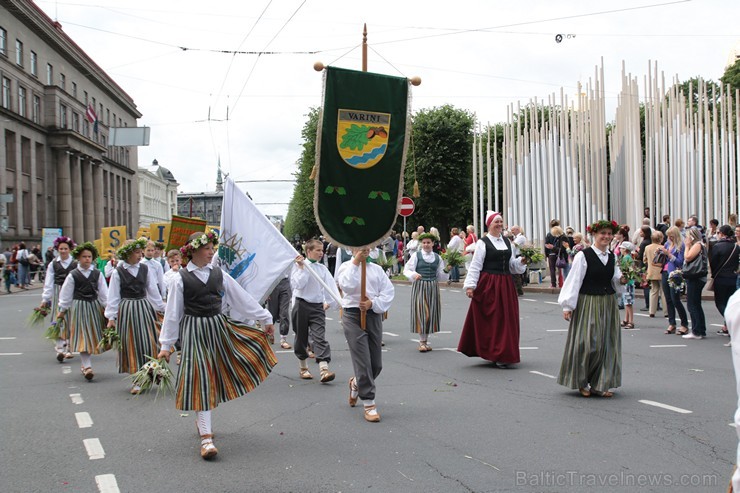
[(585, 392), (60, 357), (207, 449), (422, 347), (135, 390), (353, 392), (326, 376), (371, 416), (88, 373), (285, 345), (305, 374)]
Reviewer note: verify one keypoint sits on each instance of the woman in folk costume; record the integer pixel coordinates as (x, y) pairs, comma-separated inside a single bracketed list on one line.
[(491, 329), (133, 297), (81, 301), (592, 362), (56, 273), (221, 359), (424, 269)]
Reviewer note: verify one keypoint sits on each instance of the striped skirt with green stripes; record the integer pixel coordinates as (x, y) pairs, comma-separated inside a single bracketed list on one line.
[(425, 307), (85, 322), (593, 351), (221, 360), (138, 328), (55, 311)]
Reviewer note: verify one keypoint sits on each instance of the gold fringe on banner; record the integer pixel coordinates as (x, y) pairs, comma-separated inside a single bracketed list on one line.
[(416, 193), (313, 173)]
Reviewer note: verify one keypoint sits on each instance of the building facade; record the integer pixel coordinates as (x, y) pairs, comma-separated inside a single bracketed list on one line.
[(205, 205), (56, 108), (157, 195)]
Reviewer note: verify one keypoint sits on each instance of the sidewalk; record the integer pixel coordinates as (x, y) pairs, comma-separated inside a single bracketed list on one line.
[(33, 287)]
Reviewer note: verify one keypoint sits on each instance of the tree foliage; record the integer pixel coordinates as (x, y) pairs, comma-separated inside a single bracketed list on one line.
[(300, 219), (731, 76)]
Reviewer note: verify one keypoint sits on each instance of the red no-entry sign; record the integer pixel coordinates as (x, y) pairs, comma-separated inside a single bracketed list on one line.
[(407, 206)]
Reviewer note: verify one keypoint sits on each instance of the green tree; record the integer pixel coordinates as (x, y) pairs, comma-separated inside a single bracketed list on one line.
[(300, 219), (731, 76), (442, 148)]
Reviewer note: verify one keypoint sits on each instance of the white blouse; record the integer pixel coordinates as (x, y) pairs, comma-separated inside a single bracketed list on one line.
[(304, 285), (156, 268), (568, 298), (378, 287), (516, 264), (48, 292), (409, 269), (234, 296), (66, 294), (114, 290)]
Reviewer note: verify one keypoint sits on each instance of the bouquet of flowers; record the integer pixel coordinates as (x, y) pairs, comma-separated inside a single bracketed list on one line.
[(38, 315), (155, 371), (453, 258), (110, 339), (630, 270), (531, 253), (386, 262), (54, 331), (676, 280)]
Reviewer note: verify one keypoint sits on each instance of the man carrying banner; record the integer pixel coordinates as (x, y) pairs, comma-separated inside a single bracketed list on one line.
[(311, 301)]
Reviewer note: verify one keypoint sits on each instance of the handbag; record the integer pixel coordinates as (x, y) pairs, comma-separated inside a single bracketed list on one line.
[(561, 263), (710, 284), (660, 258), (696, 267)]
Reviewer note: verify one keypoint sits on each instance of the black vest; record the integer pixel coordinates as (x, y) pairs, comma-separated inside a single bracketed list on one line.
[(496, 261), (60, 273), (202, 300), (86, 288), (133, 287), (598, 279)]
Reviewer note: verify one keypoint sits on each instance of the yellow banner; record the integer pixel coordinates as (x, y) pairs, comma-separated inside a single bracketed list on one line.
[(143, 231), (112, 238), (159, 232)]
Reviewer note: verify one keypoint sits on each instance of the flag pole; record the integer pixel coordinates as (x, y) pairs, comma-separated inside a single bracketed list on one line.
[(363, 278)]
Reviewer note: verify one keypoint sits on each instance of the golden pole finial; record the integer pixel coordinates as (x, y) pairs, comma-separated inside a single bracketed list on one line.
[(364, 47)]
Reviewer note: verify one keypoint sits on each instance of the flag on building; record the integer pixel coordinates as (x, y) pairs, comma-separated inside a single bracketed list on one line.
[(92, 117), (362, 140), (251, 249)]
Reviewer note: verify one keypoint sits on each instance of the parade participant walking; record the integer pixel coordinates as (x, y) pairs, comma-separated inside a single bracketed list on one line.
[(154, 265), (174, 260), (455, 245), (221, 359), (311, 301), (84, 294), (592, 361), (133, 297), (279, 305), (56, 272), (425, 269), (491, 329), (364, 344)]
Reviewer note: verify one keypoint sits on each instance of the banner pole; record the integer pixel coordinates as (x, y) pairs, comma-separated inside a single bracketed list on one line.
[(363, 294)]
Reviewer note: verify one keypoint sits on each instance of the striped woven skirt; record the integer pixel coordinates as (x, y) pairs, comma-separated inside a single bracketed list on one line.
[(55, 311), (425, 307), (221, 360), (138, 327), (593, 350), (85, 322)]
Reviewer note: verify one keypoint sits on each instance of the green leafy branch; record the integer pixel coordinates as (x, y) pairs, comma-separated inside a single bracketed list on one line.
[(355, 137), (354, 219), (340, 190), (383, 195)]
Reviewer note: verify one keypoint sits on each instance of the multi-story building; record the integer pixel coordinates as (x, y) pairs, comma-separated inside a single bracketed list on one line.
[(157, 195), (56, 108), (204, 205)]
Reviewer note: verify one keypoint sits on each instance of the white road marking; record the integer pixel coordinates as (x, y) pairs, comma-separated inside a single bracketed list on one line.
[(666, 406), (669, 345), (443, 289), (66, 370), (527, 299), (107, 483), (390, 334), (455, 291), (713, 325), (94, 448), (76, 398), (543, 374), (383, 350), (330, 319), (641, 315), (285, 351), (6, 338), (83, 420), (552, 302), (444, 332), (732, 424), (453, 349), (10, 354), (557, 330), (528, 347)]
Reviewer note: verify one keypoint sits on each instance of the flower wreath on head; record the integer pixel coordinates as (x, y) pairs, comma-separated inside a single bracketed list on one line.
[(426, 236), (603, 224), (160, 245), (85, 246), (196, 243), (64, 239), (124, 252)]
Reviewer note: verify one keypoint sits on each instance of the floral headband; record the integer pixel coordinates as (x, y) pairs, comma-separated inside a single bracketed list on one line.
[(603, 224), (85, 246), (426, 236), (64, 239), (126, 250), (196, 243)]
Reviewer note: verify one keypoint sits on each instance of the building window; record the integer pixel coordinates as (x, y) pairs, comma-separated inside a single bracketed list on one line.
[(36, 110), (22, 101), (85, 128), (74, 90), (85, 93), (6, 93), (3, 42), (75, 121), (62, 116), (34, 64), (107, 117), (49, 74), (19, 52), (62, 82)]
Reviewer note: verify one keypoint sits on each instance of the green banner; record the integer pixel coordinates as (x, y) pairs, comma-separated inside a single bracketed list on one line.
[(181, 228), (360, 155)]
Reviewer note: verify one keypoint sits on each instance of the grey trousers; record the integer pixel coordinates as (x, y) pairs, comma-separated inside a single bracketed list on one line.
[(364, 348), (310, 319), (278, 303)]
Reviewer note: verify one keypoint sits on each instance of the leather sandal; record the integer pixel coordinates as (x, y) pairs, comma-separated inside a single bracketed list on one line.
[(584, 392), (207, 449), (305, 374), (353, 392), (372, 417), (603, 394), (670, 330), (683, 331), (326, 375), (285, 345), (422, 347), (60, 357), (426, 345), (87, 373)]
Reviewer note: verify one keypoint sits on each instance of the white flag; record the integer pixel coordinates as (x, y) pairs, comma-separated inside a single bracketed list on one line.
[(250, 248)]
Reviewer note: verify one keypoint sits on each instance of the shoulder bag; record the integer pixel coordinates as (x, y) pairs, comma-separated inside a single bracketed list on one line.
[(710, 284), (696, 267)]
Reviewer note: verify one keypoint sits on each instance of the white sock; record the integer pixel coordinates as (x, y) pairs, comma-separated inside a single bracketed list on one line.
[(423, 338), (303, 364), (60, 346), (370, 403), (323, 365), (85, 360), (354, 391), (204, 422)]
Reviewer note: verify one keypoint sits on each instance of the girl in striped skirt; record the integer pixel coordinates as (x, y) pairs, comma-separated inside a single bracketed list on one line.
[(592, 362), (221, 359), (425, 269), (56, 272), (133, 297), (81, 302)]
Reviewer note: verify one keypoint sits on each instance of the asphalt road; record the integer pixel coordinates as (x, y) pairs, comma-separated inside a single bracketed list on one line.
[(449, 423)]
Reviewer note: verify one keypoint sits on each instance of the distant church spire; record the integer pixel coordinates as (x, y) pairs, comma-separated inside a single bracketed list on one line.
[(219, 181)]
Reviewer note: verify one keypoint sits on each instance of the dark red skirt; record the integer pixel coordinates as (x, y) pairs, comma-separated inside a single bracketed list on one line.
[(491, 329)]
